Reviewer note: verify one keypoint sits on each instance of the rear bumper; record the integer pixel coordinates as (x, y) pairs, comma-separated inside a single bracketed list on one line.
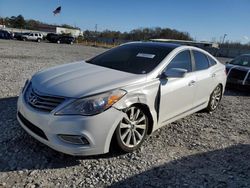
[(98, 129)]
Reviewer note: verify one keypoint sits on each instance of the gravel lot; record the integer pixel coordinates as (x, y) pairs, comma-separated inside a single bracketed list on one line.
[(201, 150)]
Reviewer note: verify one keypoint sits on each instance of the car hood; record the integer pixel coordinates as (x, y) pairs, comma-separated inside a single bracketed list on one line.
[(81, 79)]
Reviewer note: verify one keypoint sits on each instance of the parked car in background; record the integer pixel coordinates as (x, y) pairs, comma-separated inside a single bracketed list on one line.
[(5, 35), (124, 94), (38, 37), (55, 38), (52, 37), (66, 40), (238, 73), (18, 35)]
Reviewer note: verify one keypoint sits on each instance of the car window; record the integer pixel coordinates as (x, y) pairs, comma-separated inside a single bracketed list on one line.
[(201, 61), (182, 60), (36, 35), (243, 60), (132, 58), (211, 61)]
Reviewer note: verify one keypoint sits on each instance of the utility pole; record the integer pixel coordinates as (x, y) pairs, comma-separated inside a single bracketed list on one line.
[(95, 28), (95, 33), (223, 40)]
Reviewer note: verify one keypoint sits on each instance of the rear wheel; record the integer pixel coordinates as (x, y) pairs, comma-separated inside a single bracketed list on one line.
[(215, 98), (132, 130), (38, 40), (58, 42)]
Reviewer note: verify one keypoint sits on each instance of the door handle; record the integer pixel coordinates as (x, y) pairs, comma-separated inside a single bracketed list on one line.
[(191, 83), (213, 75)]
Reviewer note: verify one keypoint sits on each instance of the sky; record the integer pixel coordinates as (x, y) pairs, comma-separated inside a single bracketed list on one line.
[(204, 20)]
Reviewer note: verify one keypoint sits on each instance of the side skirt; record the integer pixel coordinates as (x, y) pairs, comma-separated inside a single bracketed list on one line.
[(185, 113)]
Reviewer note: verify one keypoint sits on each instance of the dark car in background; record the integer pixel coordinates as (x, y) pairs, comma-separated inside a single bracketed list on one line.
[(238, 73), (55, 38), (19, 36), (5, 34), (52, 37)]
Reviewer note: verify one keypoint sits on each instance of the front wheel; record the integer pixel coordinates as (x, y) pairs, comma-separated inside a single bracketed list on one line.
[(132, 130), (38, 40), (215, 98)]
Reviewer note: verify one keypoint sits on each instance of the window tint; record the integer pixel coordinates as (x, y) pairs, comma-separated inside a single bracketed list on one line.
[(132, 58), (212, 61), (201, 61), (182, 60), (243, 60)]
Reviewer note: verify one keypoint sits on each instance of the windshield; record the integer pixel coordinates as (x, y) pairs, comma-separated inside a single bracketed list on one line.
[(135, 59), (242, 61)]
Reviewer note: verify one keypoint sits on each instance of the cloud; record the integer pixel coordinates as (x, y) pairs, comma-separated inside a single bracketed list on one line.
[(245, 38)]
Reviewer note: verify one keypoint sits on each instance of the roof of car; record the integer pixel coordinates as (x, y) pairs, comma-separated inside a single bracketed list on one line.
[(155, 44)]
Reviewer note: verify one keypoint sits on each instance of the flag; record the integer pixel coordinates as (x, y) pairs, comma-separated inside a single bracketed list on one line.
[(57, 11)]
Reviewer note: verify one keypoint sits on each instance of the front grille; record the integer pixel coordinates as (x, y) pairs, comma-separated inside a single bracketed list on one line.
[(237, 74), (32, 127), (41, 101)]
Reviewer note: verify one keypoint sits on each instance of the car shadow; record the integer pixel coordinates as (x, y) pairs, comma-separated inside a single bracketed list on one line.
[(228, 167), (20, 151)]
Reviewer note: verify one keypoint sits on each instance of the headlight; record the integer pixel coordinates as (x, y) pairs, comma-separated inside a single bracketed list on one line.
[(92, 105)]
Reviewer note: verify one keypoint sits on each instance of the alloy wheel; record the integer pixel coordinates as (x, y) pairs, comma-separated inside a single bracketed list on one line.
[(132, 128), (215, 98)]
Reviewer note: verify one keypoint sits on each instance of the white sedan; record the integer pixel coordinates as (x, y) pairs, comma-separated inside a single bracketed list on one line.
[(122, 95)]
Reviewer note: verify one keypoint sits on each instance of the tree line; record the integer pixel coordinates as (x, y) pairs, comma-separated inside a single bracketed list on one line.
[(136, 34), (139, 34), (21, 23)]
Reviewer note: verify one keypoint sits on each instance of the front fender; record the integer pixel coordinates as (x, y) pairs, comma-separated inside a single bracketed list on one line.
[(146, 94)]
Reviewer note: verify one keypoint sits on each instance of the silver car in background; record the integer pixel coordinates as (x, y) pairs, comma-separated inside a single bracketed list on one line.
[(122, 95)]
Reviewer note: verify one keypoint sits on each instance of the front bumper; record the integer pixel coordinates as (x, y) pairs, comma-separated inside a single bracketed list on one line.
[(98, 129)]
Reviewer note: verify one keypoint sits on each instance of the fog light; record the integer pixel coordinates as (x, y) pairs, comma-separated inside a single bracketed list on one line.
[(74, 139)]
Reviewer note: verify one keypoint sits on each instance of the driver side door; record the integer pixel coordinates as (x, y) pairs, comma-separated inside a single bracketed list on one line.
[(177, 94)]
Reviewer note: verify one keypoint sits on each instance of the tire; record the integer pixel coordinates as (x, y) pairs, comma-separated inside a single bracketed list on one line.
[(214, 99), (24, 39), (132, 130), (58, 42), (38, 40), (71, 43)]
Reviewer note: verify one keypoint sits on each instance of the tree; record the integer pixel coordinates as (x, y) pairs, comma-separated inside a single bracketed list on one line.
[(19, 22)]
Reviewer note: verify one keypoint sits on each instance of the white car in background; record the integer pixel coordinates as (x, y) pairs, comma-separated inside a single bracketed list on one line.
[(124, 94), (38, 37)]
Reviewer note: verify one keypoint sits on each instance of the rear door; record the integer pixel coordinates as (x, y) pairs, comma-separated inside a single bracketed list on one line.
[(177, 94), (204, 78)]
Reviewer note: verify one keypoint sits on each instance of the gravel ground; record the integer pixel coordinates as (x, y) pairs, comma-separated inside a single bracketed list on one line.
[(201, 150)]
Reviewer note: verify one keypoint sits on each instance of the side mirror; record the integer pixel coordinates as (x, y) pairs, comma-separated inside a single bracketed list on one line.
[(175, 73)]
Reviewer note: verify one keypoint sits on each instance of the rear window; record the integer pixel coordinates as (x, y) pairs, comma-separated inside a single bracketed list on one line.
[(132, 58), (201, 61), (211, 61)]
